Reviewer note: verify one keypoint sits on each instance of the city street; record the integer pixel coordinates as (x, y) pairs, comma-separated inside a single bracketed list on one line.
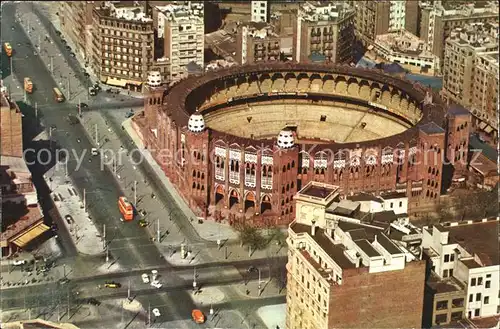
[(130, 247)]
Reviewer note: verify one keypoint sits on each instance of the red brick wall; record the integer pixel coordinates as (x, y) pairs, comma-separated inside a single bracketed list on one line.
[(379, 300)]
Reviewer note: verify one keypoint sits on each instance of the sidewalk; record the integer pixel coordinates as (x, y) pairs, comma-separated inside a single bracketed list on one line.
[(268, 289), (208, 230), (70, 206), (50, 12)]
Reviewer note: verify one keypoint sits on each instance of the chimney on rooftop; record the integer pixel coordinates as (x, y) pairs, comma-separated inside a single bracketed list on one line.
[(313, 228)]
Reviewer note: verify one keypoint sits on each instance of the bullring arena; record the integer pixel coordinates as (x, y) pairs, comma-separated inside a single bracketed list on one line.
[(249, 137)]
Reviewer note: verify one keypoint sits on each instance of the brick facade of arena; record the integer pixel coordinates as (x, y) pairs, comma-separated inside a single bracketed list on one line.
[(249, 178)]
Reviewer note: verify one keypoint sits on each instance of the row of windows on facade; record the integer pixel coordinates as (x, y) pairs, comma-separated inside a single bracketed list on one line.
[(127, 26), (130, 52), (121, 64), (117, 42), (123, 72)]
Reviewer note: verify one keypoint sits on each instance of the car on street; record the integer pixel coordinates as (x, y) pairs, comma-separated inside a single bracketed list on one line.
[(68, 48), (19, 262), (69, 219), (63, 281), (94, 151), (93, 301), (54, 227), (198, 316), (143, 223), (78, 140), (97, 87), (82, 105), (145, 278), (143, 213), (92, 91), (156, 284), (129, 114), (72, 54), (112, 284), (156, 312)]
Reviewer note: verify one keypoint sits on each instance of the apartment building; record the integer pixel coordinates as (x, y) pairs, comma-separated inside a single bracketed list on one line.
[(260, 11), (372, 18), (335, 258), (11, 131), (406, 49), (182, 28), (77, 24), (257, 42), (324, 33), (123, 45), (438, 19), (466, 253), (471, 72)]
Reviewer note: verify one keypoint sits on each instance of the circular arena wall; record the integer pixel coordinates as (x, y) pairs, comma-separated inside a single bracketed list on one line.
[(251, 136)]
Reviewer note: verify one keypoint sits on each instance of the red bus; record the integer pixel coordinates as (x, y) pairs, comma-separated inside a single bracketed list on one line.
[(126, 208)]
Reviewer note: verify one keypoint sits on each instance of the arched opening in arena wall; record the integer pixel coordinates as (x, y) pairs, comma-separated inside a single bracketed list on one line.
[(250, 202), (265, 205), (219, 194), (234, 198)]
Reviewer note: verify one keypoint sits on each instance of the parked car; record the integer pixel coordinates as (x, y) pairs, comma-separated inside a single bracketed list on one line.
[(156, 284), (145, 278), (112, 284), (156, 312), (19, 262), (143, 223), (82, 105), (69, 219), (72, 54)]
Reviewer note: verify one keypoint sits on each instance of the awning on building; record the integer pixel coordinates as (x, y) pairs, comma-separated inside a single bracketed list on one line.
[(135, 83), (116, 82), (30, 234)]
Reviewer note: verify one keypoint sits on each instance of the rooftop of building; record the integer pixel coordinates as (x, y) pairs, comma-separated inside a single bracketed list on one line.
[(125, 12), (477, 35), (478, 238), (363, 236), (475, 143), (450, 284), (318, 190), (316, 11), (18, 218), (185, 11), (456, 109), (259, 30), (335, 251), (14, 164), (364, 197), (459, 9), (431, 129), (403, 42)]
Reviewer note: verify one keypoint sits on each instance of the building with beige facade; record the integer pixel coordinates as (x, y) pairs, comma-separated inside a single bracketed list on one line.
[(439, 18), (122, 45), (257, 42), (77, 24), (324, 32), (471, 72), (336, 260), (260, 11), (182, 29), (406, 49)]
